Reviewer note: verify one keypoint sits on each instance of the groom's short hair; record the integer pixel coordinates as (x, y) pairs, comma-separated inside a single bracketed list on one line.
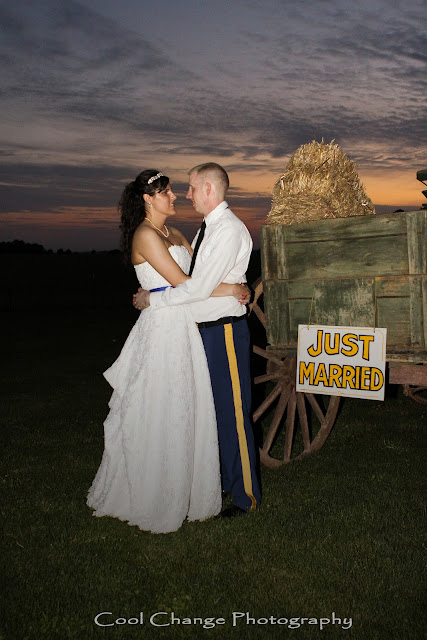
[(214, 172)]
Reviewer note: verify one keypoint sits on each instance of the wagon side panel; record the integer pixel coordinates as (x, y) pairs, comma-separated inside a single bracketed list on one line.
[(365, 270)]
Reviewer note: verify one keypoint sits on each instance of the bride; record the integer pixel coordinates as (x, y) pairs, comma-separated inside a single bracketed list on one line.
[(160, 463)]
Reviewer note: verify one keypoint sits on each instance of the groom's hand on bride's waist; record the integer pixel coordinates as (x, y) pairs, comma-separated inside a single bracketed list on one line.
[(141, 299)]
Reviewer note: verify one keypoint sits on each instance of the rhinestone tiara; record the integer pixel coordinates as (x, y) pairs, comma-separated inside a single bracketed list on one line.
[(150, 180)]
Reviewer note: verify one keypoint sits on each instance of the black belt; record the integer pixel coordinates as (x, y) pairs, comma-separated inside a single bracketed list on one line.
[(215, 323)]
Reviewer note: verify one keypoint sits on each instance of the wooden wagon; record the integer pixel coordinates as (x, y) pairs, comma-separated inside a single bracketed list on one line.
[(355, 271)]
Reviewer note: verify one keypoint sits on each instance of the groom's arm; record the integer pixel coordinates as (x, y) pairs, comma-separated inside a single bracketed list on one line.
[(210, 274)]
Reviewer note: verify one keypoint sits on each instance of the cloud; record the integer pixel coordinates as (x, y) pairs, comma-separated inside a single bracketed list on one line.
[(49, 188), (330, 75), (33, 187), (66, 61), (339, 70), (89, 99)]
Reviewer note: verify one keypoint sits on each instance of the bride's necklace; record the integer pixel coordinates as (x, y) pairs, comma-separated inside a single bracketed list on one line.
[(160, 231)]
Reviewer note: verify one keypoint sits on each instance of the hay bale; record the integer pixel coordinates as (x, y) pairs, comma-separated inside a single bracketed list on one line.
[(319, 182)]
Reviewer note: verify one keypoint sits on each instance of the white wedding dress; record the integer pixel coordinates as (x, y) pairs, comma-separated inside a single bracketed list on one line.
[(160, 463)]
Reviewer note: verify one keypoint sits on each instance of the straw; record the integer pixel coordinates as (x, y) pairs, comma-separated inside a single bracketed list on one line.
[(320, 181)]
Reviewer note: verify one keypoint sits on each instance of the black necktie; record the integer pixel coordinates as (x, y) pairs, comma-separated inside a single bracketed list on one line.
[(196, 248)]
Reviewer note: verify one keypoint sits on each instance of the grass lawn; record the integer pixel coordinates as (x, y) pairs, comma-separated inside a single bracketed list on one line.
[(339, 533)]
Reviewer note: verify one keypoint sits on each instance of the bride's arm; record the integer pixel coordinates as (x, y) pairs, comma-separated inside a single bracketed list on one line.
[(240, 291), (147, 245)]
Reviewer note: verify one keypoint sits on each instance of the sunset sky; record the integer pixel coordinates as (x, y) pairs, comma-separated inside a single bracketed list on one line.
[(94, 91)]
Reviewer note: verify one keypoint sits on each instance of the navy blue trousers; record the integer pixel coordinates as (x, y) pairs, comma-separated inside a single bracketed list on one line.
[(228, 353)]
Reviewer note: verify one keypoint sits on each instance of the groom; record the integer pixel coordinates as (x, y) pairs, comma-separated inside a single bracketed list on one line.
[(222, 249)]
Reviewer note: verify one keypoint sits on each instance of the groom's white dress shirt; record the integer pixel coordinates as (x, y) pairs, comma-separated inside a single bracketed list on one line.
[(223, 256)]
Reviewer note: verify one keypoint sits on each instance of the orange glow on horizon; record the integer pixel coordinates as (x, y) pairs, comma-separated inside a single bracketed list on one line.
[(400, 188), (98, 226)]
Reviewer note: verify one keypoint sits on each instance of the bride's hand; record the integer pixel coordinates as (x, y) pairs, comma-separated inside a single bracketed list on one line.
[(134, 298), (239, 291), (141, 299), (242, 293)]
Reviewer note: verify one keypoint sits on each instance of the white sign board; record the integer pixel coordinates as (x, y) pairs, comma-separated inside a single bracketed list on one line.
[(341, 361)]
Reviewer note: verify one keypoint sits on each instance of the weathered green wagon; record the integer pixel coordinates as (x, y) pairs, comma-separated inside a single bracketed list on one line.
[(359, 271)]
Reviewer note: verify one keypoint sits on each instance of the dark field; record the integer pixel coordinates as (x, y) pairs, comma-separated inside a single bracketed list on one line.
[(342, 531), (69, 281)]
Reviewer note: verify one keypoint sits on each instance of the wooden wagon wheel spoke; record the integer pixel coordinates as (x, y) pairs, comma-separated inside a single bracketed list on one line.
[(316, 407), (278, 415), (254, 306), (328, 422), (267, 402), (268, 376), (290, 425), (264, 354), (302, 413), (293, 409)]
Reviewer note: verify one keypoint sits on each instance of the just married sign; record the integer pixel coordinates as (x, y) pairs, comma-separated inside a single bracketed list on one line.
[(341, 361)]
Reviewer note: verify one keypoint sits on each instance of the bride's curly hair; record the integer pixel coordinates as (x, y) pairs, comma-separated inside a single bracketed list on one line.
[(132, 206)]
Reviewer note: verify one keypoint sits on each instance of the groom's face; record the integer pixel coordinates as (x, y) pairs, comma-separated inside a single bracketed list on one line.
[(196, 194)]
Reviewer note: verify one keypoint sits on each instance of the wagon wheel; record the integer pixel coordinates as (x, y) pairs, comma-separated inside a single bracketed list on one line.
[(419, 394), (315, 425)]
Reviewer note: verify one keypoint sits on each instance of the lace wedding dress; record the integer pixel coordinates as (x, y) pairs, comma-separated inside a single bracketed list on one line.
[(160, 463)]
